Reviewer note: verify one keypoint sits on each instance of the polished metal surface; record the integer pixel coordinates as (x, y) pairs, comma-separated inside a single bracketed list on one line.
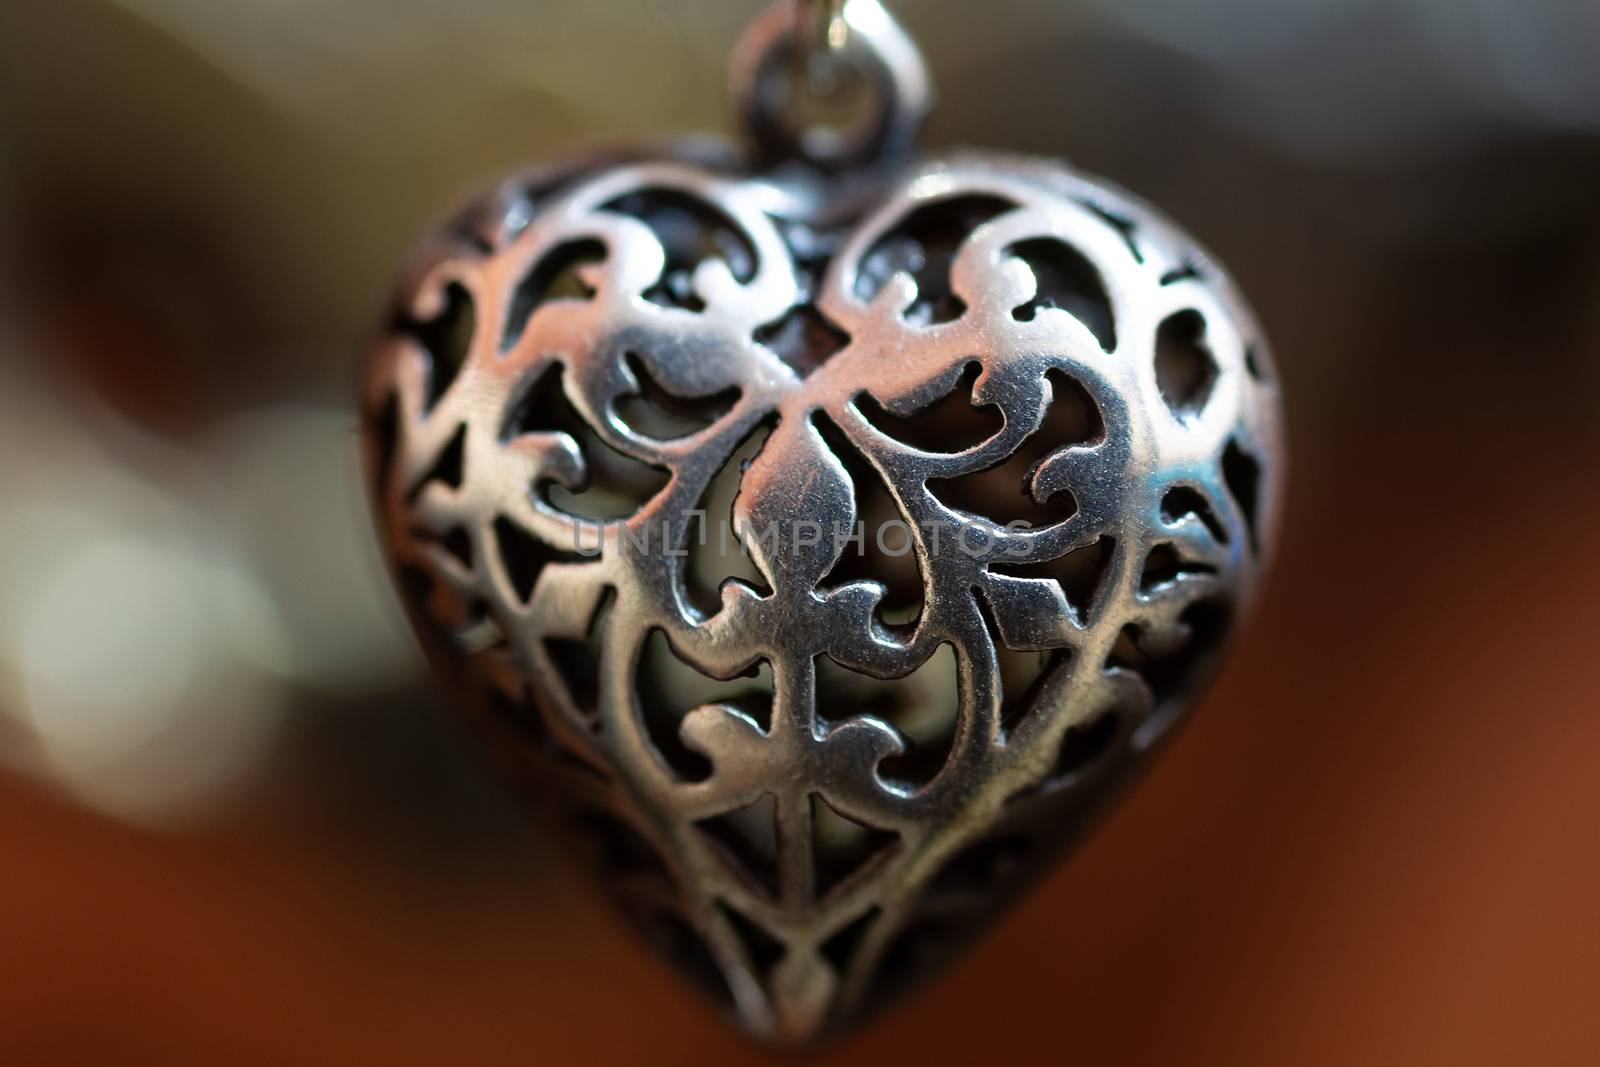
[(624, 426)]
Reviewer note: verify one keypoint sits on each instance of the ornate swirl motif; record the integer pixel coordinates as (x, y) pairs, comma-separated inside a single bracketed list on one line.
[(813, 765)]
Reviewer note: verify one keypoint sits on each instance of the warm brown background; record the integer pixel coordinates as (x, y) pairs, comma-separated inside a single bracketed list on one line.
[(238, 827)]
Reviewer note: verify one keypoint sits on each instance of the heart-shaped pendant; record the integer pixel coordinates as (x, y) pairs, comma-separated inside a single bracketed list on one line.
[(822, 543)]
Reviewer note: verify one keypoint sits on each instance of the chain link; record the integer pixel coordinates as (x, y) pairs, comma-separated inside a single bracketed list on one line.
[(823, 27)]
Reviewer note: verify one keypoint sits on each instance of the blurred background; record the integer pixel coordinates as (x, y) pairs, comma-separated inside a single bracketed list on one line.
[(236, 822)]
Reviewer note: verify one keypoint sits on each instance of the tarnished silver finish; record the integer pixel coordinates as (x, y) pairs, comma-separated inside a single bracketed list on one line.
[(811, 766)]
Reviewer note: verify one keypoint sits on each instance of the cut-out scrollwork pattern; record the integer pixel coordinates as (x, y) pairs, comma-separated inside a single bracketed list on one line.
[(812, 763)]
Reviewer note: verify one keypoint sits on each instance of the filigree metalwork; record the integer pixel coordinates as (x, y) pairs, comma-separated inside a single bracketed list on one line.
[(959, 345)]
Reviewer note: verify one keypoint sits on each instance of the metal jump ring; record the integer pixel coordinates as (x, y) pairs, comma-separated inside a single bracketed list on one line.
[(862, 35)]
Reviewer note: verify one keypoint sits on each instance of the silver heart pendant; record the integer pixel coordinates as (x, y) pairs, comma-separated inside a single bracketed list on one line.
[(822, 541)]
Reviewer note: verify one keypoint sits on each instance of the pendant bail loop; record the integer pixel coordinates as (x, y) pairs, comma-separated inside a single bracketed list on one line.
[(833, 83)]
